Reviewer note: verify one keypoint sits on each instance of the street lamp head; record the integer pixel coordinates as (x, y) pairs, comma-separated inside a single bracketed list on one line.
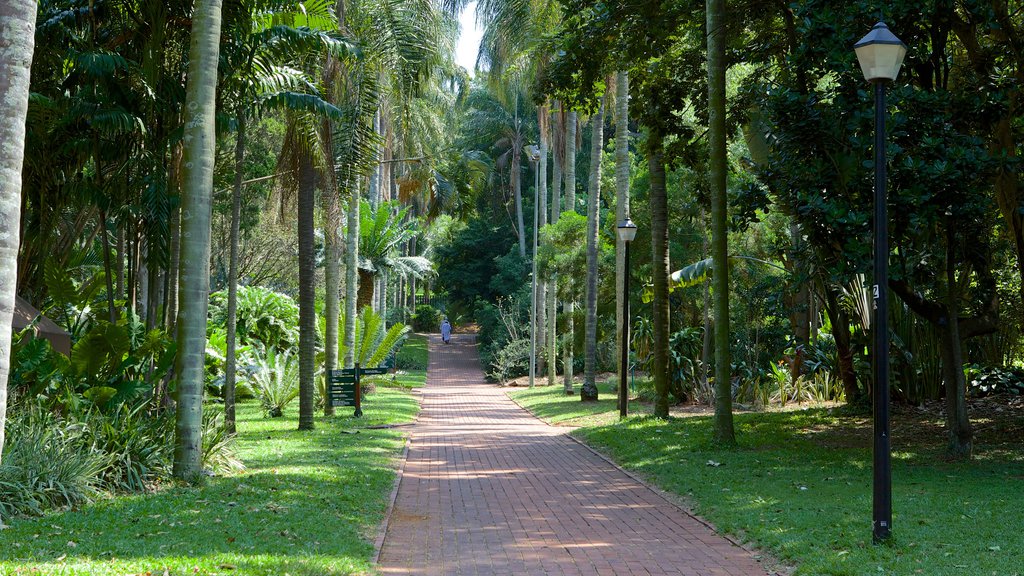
[(626, 230), (880, 54)]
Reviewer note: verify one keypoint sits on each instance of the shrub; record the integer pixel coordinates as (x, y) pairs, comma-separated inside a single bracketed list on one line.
[(276, 381), (512, 360), (264, 317), (47, 463), (218, 445), (991, 381), (426, 319), (138, 447)]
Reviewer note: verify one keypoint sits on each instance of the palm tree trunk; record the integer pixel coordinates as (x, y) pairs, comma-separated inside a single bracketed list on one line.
[(364, 296), (232, 336), (332, 284), (517, 190), (542, 287), (659, 272), (111, 311), (17, 36), (351, 275), (569, 306), (556, 193), (307, 290), (376, 173), (589, 390), (197, 192), (724, 432), (621, 201)]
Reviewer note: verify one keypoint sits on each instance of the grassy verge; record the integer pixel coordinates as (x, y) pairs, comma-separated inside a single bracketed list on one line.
[(799, 485), (412, 359), (308, 504)]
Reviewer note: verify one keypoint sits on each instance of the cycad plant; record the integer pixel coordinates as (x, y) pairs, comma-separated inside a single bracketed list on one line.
[(373, 343), (276, 380)]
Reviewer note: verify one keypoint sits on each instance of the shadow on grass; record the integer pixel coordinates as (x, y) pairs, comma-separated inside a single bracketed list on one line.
[(309, 503)]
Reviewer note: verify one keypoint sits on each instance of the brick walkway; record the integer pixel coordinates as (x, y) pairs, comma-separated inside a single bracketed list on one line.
[(490, 490)]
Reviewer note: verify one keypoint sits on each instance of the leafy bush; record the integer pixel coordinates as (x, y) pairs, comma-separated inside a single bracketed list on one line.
[(276, 380), (426, 319), (138, 447), (47, 463), (264, 317), (512, 360), (413, 355), (218, 445), (992, 381)]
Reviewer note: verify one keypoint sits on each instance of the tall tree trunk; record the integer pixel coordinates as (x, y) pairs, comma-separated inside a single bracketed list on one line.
[(17, 38), (542, 287), (958, 425), (799, 303), (119, 271), (200, 152), (660, 273), (517, 190), (724, 432), (332, 283), (111, 310), (621, 204), (569, 306), (351, 275), (384, 295), (589, 390), (556, 193), (232, 336), (375, 175), (174, 182), (307, 290), (840, 321), (364, 296)]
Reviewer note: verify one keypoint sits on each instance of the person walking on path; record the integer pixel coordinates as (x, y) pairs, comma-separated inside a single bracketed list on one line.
[(446, 331)]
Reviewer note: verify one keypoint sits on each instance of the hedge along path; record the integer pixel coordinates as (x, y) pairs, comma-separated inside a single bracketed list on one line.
[(488, 489)]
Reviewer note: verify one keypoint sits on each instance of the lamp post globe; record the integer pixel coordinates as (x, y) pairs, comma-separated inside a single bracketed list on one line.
[(880, 54)]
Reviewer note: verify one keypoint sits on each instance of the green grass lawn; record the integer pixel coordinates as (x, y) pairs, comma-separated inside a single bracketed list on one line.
[(413, 357), (799, 485), (309, 503)]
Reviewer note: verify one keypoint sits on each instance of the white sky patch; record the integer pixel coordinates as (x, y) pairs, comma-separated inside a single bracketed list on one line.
[(469, 38)]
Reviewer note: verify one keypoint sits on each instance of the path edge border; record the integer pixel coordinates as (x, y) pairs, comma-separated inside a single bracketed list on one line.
[(777, 567), (382, 531), (675, 500)]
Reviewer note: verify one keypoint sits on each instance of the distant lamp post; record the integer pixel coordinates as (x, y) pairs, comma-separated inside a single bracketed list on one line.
[(533, 153), (880, 54), (627, 231)]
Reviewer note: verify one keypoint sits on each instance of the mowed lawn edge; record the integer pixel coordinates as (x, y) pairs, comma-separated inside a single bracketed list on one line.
[(308, 503), (798, 486)]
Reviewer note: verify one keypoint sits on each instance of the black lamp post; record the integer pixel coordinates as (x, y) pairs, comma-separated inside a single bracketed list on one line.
[(880, 54), (627, 231)]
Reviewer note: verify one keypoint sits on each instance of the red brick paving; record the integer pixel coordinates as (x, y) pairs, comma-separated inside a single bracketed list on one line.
[(490, 490)]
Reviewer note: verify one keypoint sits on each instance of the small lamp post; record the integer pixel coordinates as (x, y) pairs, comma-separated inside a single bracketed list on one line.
[(881, 54), (533, 153), (626, 231)]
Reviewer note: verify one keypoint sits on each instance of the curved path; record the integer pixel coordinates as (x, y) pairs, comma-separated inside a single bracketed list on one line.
[(490, 490)]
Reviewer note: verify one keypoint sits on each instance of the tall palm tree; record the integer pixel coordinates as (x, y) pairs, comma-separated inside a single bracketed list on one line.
[(569, 307), (558, 156), (17, 29), (719, 226), (660, 271), (261, 44), (589, 390), (621, 201), (200, 152)]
